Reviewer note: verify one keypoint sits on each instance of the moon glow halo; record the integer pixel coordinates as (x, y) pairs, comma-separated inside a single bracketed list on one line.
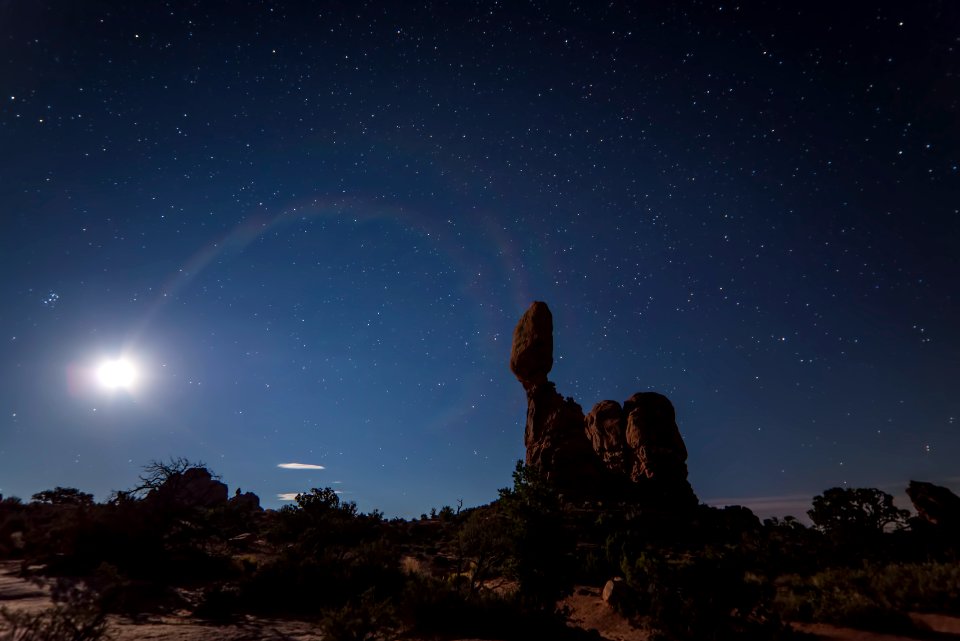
[(117, 374)]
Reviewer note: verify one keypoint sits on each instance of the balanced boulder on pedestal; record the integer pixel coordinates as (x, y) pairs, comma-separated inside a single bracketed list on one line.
[(632, 451)]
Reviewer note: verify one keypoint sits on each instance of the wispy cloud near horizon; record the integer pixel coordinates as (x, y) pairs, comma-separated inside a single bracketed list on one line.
[(795, 504), (798, 504), (300, 466)]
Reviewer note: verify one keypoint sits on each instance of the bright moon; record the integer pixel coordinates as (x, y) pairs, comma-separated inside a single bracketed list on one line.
[(117, 374)]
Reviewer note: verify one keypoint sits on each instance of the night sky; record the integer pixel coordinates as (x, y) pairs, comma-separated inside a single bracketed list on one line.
[(312, 227)]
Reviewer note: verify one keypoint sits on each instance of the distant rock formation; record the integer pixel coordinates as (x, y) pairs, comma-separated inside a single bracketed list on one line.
[(935, 504), (246, 502), (192, 488), (634, 451)]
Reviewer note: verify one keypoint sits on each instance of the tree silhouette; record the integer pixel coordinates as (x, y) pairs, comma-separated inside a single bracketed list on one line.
[(157, 473), (63, 496), (856, 511)]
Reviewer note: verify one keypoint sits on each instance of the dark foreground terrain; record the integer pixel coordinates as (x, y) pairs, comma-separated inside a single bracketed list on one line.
[(176, 559)]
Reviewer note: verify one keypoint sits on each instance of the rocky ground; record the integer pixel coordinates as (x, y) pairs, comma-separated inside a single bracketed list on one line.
[(21, 595), (932, 626)]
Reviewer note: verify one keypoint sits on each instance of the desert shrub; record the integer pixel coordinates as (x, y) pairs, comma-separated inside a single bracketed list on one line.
[(364, 619), (331, 556), (320, 519), (446, 513), (707, 594), (12, 524), (77, 615), (219, 602), (591, 565), (541, 547), (926, 587), (431, 608), (330, 578), (141, 543), (839, 597), (143, 537), (483, 549), (789, 547), (63, 496), (873, 597), (121, 594)]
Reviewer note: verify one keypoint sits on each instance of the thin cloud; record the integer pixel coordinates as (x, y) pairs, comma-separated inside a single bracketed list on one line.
[(795, 504), (301, 466)]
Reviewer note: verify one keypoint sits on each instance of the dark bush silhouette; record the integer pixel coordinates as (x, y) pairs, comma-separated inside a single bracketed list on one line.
[(852, 512), (495, 571), (541, 547), (331, 555), (63, 496), (709, 593), (484, 548)]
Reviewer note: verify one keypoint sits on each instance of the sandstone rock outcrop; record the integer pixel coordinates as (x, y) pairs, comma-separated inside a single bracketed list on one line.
[(192, 488), (563, 454), (631, 451), (935, 504), (607, 434), (246, 502), (653, 439)]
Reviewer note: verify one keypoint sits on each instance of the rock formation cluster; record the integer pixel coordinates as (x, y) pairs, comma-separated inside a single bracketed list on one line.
[(196, 487), (631, 451)]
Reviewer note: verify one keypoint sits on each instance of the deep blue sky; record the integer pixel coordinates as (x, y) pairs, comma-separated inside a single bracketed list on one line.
[(314, 227)]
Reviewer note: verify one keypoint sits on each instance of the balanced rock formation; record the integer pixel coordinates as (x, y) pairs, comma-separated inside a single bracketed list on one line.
[(935, 504), (563, 454), (631, 451)]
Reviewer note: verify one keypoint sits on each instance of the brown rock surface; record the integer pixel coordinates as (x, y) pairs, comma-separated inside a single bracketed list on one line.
[(606, 431), (613, 591), (555, 441), (935, 504), (531, 357), (654, 438)]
